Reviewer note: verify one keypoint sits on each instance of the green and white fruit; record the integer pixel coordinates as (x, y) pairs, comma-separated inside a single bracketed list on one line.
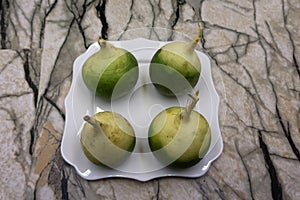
[(175, 68), (107, 139), (111, 72), (179, 137)]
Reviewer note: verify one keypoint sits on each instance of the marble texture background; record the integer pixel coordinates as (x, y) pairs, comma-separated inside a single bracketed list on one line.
[(254, 47)]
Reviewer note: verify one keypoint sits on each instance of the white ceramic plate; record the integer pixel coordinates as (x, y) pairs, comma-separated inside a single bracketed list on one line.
[(139, 108)]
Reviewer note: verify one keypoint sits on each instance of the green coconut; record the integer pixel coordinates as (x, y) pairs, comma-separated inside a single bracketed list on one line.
[(179, 137), (107, 139), (175, 68), (111, 72)]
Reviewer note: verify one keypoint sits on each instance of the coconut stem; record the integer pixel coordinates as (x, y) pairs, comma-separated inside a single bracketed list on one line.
[(104, 44), (195, 41), (92, 121), (101, 42), (187, 111), (198, 37)]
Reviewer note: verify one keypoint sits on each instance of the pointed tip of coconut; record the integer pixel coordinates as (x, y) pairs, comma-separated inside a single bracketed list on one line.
[(192, 45), (198, 36), (92, 121), (101, 41), (86, 118)]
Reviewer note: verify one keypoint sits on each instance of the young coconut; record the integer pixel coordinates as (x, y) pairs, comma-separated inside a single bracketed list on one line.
[(111, 72), (180, 137), (107, 139), (175, 68)]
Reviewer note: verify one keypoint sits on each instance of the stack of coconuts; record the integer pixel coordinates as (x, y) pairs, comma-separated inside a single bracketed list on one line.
[(177, 136)]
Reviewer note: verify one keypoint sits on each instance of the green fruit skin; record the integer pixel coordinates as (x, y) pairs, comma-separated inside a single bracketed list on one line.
[(179, 143), (175, 69), (111, 72), (115, 146)]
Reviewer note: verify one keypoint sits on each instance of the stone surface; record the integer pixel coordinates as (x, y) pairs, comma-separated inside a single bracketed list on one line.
[(254, 48)]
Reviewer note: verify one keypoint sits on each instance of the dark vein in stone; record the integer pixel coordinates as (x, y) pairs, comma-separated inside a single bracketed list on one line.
[(157, 190), (220, 193), (245, 9), (153, 19), (113, 191), (58, 83), (225, 185), (39, 178), (12, 115), (14, 95), (4, 6), (174, 18), (290, 139), (77, 182), (129, 20), (260, 41), (234, 46), (44, 95), (246, 169), (14, 30), (43, 25), (16, 7), (204, 185), (283, 157), (235, 10), (200, 188), (256, 99), (153, 13), (272, 37), (32, 132), (255, 150), (37, 8), (21, 9), (62, 114), (64, 185), (296, 65), (275, 49), (42, 112), (246, 125), (79, 20), (32, 139), (51, 135), (255, 89), (275, 184), (9, 62), (28, 78), (79, 17), (101, 15), (209, 25), (285, 130), (59, 52), (295, 61), (203, 40)]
